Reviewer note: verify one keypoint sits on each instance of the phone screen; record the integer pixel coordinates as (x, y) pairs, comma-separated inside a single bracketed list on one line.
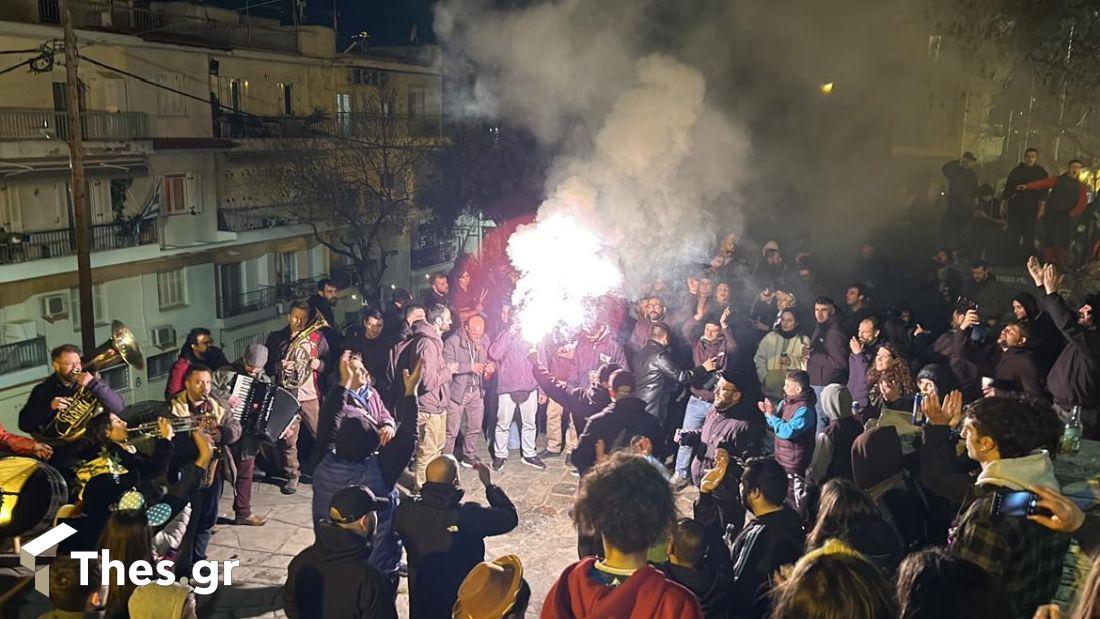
[(1015, 504)]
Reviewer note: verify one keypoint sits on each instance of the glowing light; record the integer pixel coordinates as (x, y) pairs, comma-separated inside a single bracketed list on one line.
[(826, 88), (563, 266)]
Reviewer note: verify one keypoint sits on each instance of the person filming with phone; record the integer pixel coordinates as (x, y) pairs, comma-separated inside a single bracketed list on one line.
[(1010, 440)]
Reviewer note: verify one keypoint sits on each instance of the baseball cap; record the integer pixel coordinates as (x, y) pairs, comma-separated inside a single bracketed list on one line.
[(352, 503)]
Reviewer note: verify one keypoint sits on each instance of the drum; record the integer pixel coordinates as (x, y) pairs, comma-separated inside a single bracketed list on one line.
[(31, 491)]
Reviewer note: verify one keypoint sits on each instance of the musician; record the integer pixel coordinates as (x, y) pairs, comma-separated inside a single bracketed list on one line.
[(303, 363), (56, 392), (197, 348), (224, 430), (372, 347), (244, 451), (23, 446), (107, 431)]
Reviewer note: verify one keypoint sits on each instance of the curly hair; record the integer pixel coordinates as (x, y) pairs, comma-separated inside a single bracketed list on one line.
[(1017, 427), (842, 503), (627, 501), (834, 585), (898, 373)]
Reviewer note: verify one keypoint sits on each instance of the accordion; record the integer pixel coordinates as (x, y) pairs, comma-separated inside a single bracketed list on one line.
[(263, 410)]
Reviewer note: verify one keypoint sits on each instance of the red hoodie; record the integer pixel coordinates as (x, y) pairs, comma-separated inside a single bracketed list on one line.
[(646, 594)]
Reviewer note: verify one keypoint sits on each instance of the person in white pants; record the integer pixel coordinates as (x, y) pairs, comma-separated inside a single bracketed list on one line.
[(517, 391)]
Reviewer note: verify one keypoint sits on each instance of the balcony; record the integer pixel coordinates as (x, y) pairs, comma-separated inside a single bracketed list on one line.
[(30, 124), (266, 297), (377, 126), (253, 218), (23, 355), (432, 255), (44, 244), (159, 25)]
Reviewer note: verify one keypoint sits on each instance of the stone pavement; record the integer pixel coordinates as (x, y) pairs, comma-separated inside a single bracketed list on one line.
[(545, 539)]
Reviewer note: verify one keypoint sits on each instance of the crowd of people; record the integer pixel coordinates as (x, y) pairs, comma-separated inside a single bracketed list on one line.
[(850, 459)]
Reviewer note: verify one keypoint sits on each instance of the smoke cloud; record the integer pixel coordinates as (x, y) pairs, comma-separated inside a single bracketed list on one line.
[(645, 159)]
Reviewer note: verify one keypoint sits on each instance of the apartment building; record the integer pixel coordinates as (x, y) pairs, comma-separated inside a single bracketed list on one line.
[(184, 111)]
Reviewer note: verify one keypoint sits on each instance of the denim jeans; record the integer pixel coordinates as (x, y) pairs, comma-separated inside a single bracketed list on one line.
[(693, 420), (820, 412)]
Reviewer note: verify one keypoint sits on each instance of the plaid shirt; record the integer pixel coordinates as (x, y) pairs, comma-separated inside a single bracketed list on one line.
[(1024, 556)]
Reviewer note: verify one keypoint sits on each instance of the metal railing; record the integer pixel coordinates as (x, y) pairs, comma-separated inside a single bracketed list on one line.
[(378, 126), (43, 244), (35, 124), (245, 302), (159, 24), (253, 218), (432, 255), (23, 355)]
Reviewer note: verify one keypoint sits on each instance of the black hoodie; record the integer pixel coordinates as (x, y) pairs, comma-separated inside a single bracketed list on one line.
[(333, 579), (616, 425), (710, 587), (1075, 378)]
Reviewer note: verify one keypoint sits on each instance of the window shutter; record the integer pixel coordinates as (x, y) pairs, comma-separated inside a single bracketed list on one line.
[(191, 193)]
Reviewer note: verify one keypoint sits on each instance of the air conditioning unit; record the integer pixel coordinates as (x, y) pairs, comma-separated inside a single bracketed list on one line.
[(55, 306), (20, 331), (164, 337)]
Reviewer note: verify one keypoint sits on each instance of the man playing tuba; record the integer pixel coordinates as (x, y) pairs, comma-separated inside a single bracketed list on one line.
[(297, 354)]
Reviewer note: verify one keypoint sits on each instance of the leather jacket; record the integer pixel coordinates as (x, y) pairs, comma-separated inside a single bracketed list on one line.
[(657, 378)]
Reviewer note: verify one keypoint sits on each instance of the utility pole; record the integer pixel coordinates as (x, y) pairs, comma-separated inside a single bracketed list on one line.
[(78, 188)]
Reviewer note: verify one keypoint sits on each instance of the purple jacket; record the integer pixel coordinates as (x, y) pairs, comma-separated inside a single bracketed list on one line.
[(340, 404), (591, 354), (857, 373), (461, 350), (513, 368)]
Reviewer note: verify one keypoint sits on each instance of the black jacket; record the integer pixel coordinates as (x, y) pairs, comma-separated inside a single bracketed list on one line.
[(36, 413), (1074, 377), (766, 543), (710, 587), (333, 579), (828, 361), (622, 420), (657, 377), (444, 539), (581, 403), (1012, 370)]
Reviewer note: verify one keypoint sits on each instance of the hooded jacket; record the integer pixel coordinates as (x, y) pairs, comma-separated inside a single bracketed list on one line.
[(765, 544), (708, 584), (444, 539), (615, 425), (1074, 380), (1023, 555), (581, 402), (705, 349), (646, 594), (794, 424), (333, 579), (435, 377), (1012, 370), (858, 386), (514, 373), (769, 359), (1045, 340), (833, 449), (658, 377), (738, 429), (592, 352)]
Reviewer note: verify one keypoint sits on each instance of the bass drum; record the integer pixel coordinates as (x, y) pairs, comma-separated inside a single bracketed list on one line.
[(31, 492)]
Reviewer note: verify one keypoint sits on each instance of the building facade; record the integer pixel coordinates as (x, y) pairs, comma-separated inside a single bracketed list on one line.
[(184, 110)]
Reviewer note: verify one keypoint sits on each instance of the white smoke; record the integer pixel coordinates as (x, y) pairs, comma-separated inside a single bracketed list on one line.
[(646, 165)]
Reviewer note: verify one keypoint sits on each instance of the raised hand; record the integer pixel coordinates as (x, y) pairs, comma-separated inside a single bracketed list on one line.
[(855, 345), (1065, 516), (483, 473), (766, 407), (1035, 270), (412, 379)]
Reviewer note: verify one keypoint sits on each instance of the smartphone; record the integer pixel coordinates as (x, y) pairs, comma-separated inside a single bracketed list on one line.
[(918, 411), (1017, 504)]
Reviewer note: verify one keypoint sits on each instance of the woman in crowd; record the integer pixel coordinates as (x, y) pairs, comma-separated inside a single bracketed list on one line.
[(846, 513), (783, 349), (831, 583), (891, 382)]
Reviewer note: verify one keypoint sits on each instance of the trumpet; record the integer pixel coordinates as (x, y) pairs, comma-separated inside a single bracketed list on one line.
[(178, 425)]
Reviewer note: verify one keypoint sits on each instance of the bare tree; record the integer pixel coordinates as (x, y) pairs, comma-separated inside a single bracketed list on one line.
[(355, 182)]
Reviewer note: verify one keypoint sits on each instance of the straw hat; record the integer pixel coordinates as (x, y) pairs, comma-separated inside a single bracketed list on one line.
[(489, 590)]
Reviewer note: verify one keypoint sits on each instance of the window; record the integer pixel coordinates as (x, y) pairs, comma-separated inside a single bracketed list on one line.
[(99, 306), (159, 366), (179, 193), (171, 289), (170, 103), (417, 103), (118, 378), (11, 216), (286, 267)]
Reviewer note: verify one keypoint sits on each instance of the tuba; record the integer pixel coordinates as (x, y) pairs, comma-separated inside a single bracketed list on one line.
[(296, 362), (120, 348)]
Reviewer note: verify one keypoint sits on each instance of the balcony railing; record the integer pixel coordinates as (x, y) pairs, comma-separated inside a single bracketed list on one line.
[(158, 24), (253, 218), (29, 246), (431, 255), (31, 124), (23, 355), (245, 302), (379, 127)]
